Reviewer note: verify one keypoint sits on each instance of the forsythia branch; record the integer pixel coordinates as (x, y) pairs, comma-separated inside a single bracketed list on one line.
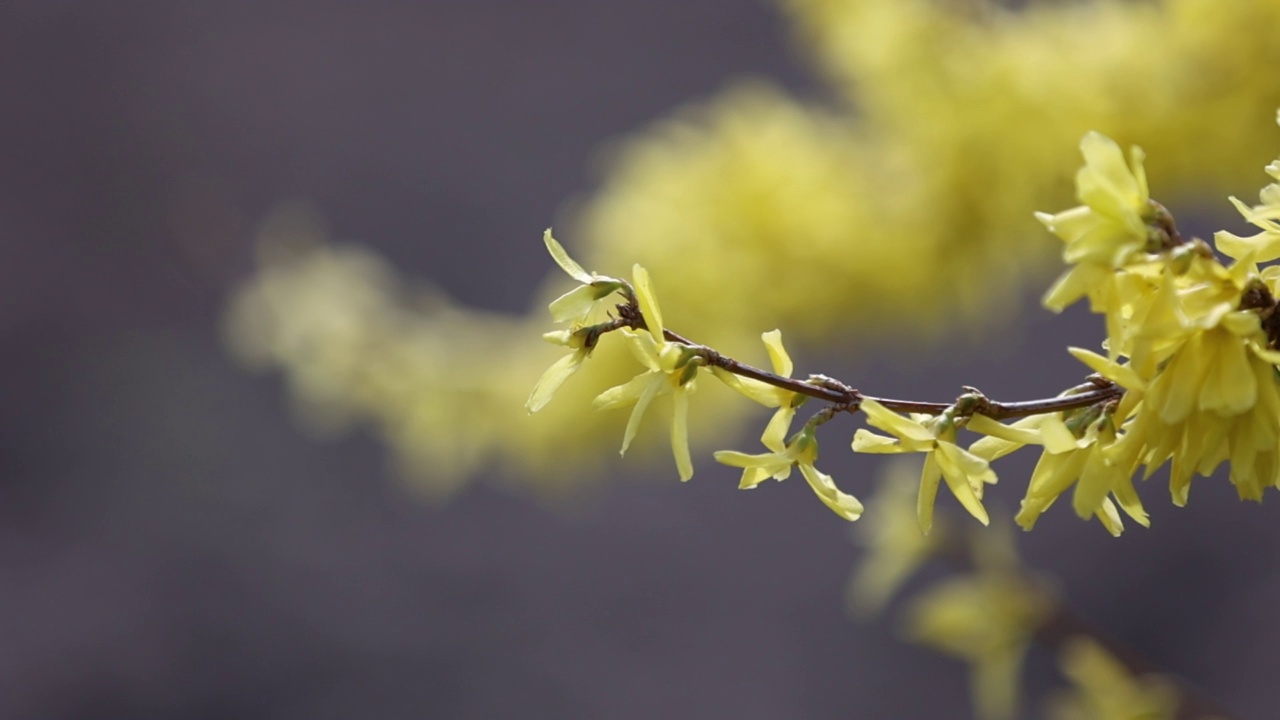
[(1190, 374), (845, 398)]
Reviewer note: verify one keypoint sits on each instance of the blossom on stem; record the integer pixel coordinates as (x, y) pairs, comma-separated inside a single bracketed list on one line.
[(561, 369), (1217, 399), (1074, 453), (573, 307), (577, 304), (1094, 474), (1108, 229), (769, 395), (672, 368), (801, 452), (964, 472)]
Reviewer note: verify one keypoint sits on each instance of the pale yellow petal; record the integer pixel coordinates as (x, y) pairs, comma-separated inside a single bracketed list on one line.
[(760, 392), (775, 433), (1057, 437), (656, 383), (648, 302), (1109, 518), (778, 356), (891, 422), (564, 261), (865, 441), (1096, 481), (680, 434), (1229, 386), (552, 379), (1127, 497), (963, 472), (1011, 433), (1074, 284), (843, 504), (573, 305), (1122, 375), (626, 393), (930, 479)]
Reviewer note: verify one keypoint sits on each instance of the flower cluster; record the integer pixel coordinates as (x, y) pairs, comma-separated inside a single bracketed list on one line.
[(1191, 340), (672, 368), (1188, 376)]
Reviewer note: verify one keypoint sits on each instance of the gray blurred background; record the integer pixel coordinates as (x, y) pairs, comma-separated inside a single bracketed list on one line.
[(172, 545)]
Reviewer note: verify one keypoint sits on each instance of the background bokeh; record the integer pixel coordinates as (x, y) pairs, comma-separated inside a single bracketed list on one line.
[(172, 544)]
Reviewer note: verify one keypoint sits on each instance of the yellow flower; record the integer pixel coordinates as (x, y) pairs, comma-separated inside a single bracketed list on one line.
[(964, 472), (1094, 474), (561, 369), (1106, 690), (574, 306), (801, 452), (672, 368), (578, 303), (1111, 226), (769, 395), (1230, 411)]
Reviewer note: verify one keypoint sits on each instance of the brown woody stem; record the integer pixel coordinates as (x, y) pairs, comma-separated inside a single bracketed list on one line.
[(1097, 390)]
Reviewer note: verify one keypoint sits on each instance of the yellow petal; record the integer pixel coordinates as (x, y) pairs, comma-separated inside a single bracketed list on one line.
[(564, 261), (1229, 386), (680, 434), (1109, 518), (573, 305), (1128, 499), (552, 379), (895, 424), (865, 441), (1075, 284), (648, 303), (930, 478), (760, 392), (778, 356), (656, 383), (843, 504), (626, 393), (1095, 483), (643, 349), (775, 433), (962, 472), (1122, 375), (1019, 435), (1057, 437)]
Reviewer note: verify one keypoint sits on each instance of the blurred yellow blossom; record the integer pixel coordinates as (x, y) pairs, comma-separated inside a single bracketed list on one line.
[(1106, 690), (893, 545), (987, 619)]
